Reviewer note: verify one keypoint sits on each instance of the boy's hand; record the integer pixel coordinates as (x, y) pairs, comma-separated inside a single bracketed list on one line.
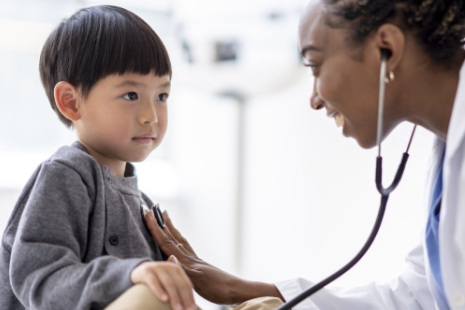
[(167, 281)]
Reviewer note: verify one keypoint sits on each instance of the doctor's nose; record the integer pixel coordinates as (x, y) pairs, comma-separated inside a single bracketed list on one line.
[(315, 100)]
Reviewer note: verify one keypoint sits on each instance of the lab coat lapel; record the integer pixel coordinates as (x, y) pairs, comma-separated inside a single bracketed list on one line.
[(452, 223)]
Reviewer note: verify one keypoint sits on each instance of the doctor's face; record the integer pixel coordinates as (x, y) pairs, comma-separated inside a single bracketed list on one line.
[(346, 77)]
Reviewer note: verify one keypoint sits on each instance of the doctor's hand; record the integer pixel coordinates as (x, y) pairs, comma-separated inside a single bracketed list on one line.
[(209, 282)]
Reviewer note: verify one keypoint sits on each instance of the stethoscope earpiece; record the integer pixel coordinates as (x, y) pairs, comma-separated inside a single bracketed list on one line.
[(385, 54)]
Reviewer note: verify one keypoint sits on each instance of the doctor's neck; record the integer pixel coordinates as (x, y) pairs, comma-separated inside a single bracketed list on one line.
[(429, 91)]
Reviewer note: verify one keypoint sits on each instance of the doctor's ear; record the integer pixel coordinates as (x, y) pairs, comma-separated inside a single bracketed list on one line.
[(67, 100), (390, 43)]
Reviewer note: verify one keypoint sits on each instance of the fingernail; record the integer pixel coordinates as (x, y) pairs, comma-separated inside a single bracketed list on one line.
[(178, 307), (151, 213), (175, 260), (166, 214), (164, 297)]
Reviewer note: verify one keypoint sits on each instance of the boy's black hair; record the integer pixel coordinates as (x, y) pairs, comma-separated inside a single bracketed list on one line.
[(96, 42)]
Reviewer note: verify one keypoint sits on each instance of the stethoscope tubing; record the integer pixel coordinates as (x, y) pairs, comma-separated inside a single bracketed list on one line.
[(315, 288)]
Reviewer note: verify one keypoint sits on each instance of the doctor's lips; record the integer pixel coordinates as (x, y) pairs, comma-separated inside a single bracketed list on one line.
[(147, 138)]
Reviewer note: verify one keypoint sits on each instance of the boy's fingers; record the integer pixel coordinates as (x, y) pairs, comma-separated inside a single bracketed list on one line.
[(169, 284), (157, 289), (186, 291)]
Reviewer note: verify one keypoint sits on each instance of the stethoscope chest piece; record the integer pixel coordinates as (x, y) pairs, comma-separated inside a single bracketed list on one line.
[(156, 212)]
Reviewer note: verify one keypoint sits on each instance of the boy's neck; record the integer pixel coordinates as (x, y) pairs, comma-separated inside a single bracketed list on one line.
[(117, 167)]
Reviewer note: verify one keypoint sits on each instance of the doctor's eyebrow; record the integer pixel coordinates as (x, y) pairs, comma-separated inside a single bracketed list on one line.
[(309, 48)]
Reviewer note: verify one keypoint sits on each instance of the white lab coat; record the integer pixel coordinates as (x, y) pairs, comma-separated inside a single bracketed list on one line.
[(411, 290)]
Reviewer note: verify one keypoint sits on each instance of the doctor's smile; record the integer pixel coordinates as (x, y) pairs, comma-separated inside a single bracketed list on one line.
[(338, 118)]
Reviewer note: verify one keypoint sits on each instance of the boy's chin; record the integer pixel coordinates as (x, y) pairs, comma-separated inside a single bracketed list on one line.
[(138, 159)]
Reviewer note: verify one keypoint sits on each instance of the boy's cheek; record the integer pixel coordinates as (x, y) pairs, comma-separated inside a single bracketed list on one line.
[(162, 131)]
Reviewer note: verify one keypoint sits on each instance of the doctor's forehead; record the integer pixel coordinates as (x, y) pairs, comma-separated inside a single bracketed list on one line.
[(312, 27)]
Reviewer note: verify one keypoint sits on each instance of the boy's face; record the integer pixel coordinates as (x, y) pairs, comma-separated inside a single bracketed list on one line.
[(124, 118)]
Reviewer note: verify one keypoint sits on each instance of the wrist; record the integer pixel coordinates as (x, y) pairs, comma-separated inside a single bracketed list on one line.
[(243, 290), (135, 274), (224, 288)]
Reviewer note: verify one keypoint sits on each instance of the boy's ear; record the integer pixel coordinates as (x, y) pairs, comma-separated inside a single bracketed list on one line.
[(67, 100)]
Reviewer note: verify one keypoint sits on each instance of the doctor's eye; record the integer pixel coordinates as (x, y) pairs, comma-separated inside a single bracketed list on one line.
[(131, 96), (312, 67), (163, 97)]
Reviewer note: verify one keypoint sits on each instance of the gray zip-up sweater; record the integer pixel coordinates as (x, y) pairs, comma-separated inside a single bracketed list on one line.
[(74, 236)]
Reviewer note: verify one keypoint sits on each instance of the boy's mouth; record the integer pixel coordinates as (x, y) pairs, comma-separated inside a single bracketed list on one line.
[(148, 138)]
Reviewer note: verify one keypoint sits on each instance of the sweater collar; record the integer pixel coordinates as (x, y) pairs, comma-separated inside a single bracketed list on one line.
[(128, 184)]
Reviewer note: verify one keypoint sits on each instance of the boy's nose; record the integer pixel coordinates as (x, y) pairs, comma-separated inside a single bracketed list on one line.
[(147, 122), (149, 116)]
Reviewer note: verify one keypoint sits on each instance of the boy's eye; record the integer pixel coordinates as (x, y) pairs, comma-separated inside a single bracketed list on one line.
[(130, 96), (162, 97)]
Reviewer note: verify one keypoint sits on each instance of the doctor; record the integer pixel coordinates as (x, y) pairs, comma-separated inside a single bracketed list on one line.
[(341, 41)]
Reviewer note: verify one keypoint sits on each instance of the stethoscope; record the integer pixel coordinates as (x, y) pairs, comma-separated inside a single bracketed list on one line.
[(156, 212), (144, 209), (385, 192)]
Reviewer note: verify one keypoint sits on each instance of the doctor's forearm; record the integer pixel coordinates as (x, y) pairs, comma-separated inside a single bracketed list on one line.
[(245, 290), (221, 287)]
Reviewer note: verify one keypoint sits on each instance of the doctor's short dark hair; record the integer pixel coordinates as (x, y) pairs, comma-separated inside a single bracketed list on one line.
[(96, 42), (438, 25)]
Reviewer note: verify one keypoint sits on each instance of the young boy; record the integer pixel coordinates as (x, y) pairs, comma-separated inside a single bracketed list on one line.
[(76, 238)]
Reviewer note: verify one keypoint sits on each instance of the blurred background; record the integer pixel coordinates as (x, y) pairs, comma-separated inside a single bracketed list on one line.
[(261, 185)]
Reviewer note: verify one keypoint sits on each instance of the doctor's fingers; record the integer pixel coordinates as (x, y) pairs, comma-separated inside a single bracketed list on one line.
[(165, 240), (177, 235)]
